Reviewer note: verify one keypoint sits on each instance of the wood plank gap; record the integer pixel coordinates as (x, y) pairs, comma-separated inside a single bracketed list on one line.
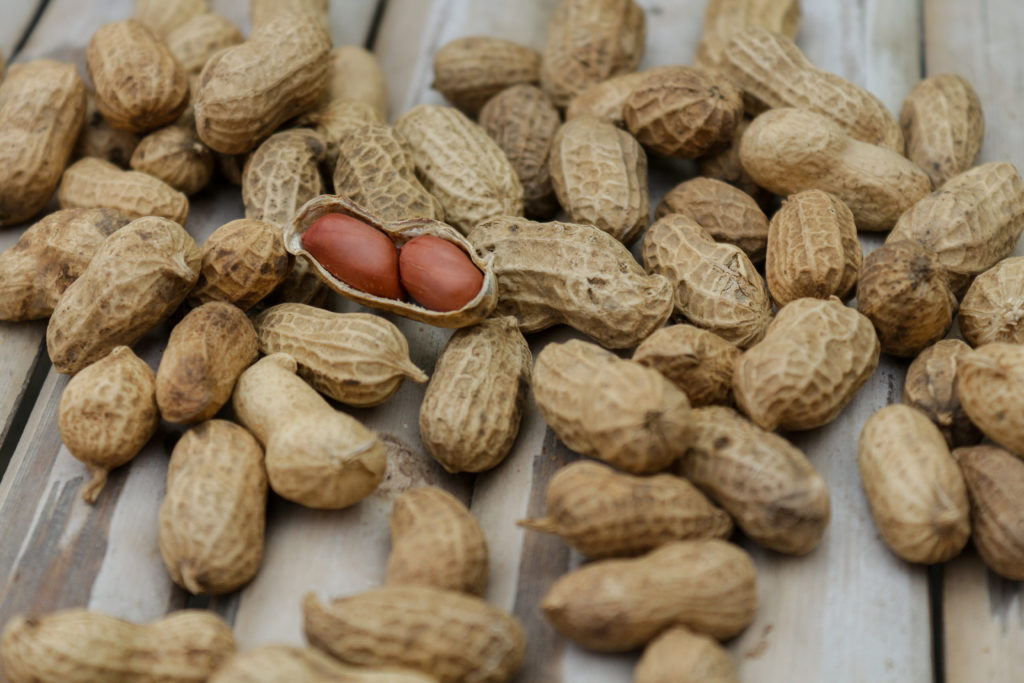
[(375, 24), (11, 433), (935, 579), (28, 30)]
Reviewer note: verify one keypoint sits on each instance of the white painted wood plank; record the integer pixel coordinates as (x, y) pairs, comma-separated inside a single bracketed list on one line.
[(17, 16)]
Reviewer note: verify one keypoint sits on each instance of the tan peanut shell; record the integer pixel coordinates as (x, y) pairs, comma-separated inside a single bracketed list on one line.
[(813, 249), (605, 99), (139, 276), (470, 414), (916, 491), (288, 664), (931, 388), (356, 358), (709, 586), (679, 655), (460, 165), (242, 262), (107, 413), (400, 232), (993, 308), (905, 293), (42, 108), (604, 513), (213, 516), (772, 72), (599, 173), (723, 19), (282, 174), (315, 455), (375, 170), (787, 151), (995, 485), (139, 84), (589, 41), (92, 183), (551, 273), (724, 164), (195, 41), (355, 74), (176, 156), (699, 362), (610, 408), (971, 223), (262, 12), (247, 91), (450, 636), (205, 354), (469, 71), (943, 125), (768, 486), (336, 122), (99, 139), (162, 17), (716, 287), (436, 542), (815, 356), (683, 112), (523, 121), (990, 384), (727, 213), (48, 257), (80, 646)]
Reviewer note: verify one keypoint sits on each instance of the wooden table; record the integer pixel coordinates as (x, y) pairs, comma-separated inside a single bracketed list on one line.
[(850, 611)]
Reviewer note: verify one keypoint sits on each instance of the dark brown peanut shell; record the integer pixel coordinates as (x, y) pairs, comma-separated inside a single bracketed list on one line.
[(176, 156), (469, 71), (931, 388), (242, 262), (990, 384), (995, 485), (699, 362), (282, 175), (993, 308), (943, 125)]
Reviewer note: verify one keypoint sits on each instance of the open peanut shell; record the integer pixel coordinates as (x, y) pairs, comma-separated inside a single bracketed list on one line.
[(400, 232)]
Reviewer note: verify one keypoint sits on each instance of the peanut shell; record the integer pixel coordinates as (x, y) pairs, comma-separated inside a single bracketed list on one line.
[(162, 17), (699, 362), (995, 485), (176, 156), (336, 122), (993, 308), (931, 388), (990, 385), (99, 139), (605, 99), (288, 664), (681, 656), (262, 12), (242, 262), (354, 74), (943, 125), (282, 175), (469, 71), (196, 40), (723, 19), (92, 183), (724, 164)]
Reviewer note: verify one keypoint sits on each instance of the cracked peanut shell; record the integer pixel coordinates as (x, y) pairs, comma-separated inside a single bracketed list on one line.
[(990, 384), (723, 19), (97, 183), (242, 262), (931, 388), (282, 174), (469, 71), (943, 125), (993, 308), (995, 486), (699, 362)]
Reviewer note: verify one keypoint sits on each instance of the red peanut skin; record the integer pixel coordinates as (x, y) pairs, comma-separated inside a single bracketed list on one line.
[(437, 274), (355, 253)]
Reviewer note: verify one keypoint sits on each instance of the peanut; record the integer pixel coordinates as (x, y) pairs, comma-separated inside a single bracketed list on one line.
[(812, 249), (436, 542), (162, 17), (99, 139), (282, 175), (375, 170), (355, 358), (609, 408), (140, 274), (139, 84), (990, 385), (438, 274), (943, 125), (460, 165), (772, 72), (723, 19), (699, 362), (196, 40), (600, 177), (523, 121), (993, 308), (42, 107), (337, 122), (995, 485), (931, 388), (604, 513), (605, 99), (76, 645), (213, 516), (787, 151), (242, 262), (724, 164), (107, 413), (355, 253), (769, 487), (683, 112), (448, 635), (315, 456), (814, 357), (469, 71), (205, 354), (354, 74), (905, 293), (707, 585), (176, 156), (288, 664), (728, 214), (681, 656), (247, 91), (262, 12), (716, 287), (48, 257), (551, 273), (470, 414), (589, 41), (91, 183), (971, 223), (916, 491)]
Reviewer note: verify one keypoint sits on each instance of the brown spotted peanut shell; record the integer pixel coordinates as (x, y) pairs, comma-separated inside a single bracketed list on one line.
[(995, 486), (176, 156), (242, 262), (943, 125), (699, 362), (931, 388)]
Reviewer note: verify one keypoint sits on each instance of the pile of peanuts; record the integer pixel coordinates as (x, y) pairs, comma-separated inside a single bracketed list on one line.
[(448, 221)]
